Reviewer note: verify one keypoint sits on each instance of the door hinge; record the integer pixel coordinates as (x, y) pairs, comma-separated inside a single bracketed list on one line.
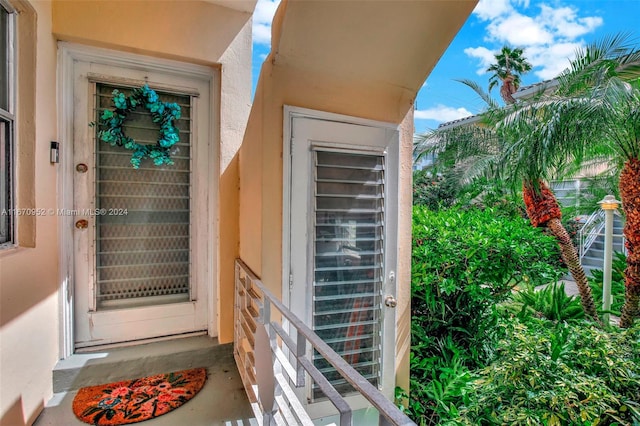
[(290, 282)]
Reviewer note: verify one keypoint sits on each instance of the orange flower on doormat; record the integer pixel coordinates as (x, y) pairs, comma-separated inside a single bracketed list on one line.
[(133, 401)]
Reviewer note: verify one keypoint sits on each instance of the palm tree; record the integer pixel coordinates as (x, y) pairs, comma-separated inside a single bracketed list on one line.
[(543, 210), (513, 143), (614, 115), (510, 64), (595, 110)]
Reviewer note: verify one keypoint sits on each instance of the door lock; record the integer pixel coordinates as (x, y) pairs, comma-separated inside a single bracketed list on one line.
[(82, 224), (390, 301)]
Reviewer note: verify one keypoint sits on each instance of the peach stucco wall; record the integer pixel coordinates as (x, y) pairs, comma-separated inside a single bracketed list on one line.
[(29, 276), (191, 31)]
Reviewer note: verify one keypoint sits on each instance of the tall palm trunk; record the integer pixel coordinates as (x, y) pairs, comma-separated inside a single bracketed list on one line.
[(543, 210), (508, 88), (630, 194)]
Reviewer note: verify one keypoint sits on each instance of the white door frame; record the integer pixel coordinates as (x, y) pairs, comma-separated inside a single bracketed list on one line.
[(319, 409), (68, 53)]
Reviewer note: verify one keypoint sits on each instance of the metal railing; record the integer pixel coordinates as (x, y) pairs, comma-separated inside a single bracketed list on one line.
[(590, 231), (273, 361)]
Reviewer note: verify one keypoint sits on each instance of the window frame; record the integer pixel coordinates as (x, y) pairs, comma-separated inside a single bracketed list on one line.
[(7, 139)]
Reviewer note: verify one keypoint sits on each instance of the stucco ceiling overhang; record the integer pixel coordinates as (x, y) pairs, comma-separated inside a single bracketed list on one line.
[(388, 42), (239, 5)]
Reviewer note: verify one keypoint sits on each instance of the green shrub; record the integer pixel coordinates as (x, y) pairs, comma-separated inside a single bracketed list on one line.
[(446, 189), (464, 262), (434, 190), (547, 373), (495, 194), (438, 375), (550, 302)]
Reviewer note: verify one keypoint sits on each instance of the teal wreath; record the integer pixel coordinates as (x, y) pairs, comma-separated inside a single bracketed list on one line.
[(163, 113)]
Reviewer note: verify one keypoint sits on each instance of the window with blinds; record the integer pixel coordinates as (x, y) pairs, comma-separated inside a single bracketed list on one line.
[(348, 261), (143, 249)]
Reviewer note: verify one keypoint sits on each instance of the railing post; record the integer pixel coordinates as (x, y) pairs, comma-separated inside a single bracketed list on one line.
[(382, 420), (236, 306), (267, 419), (346, 419), (301, 349), (265, 314)]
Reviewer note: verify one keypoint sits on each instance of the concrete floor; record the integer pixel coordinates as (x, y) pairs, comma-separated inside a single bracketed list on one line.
[(222, 401)]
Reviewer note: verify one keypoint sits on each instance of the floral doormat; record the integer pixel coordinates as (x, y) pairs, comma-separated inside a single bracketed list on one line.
[(133, 401)]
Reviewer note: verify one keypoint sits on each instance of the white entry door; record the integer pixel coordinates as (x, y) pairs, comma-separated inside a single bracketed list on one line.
[(140, 236), (342, 243)]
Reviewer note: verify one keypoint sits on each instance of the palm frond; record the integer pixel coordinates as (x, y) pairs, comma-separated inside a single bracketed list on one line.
[(596, 63), (592, 116), (491, 103)]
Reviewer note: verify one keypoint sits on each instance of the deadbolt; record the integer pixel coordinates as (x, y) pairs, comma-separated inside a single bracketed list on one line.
[(390, 301), (82, 168), (82, 224)]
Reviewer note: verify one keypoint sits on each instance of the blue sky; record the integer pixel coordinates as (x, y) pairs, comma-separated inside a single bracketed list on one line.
[(549, 32)]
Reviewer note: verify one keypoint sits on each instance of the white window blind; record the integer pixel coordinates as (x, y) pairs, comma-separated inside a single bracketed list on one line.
[(143, 256), (348, 260)]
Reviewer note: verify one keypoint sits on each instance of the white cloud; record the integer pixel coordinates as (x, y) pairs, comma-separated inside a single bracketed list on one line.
[(262, 18), (491, 9), (565, 22), (441, 113), (519, 30), (485, 56), (549, 61), (549, 35)]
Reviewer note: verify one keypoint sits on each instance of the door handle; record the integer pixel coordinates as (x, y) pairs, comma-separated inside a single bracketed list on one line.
[(390, 301)]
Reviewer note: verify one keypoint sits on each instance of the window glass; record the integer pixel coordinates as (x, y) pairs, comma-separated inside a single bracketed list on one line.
[(5, 182), (6, 129), (4, 59)]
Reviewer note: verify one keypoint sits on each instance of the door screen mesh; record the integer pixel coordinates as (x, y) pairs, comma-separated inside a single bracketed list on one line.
[(348, 261), (142, 245)]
